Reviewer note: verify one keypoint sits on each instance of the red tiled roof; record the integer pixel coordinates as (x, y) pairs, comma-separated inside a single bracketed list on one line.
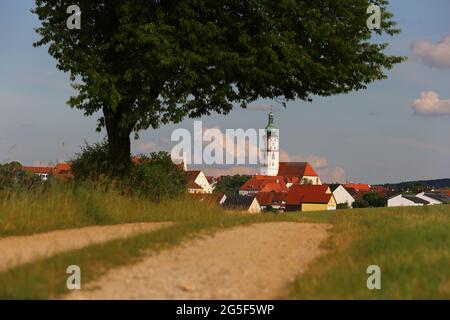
[(358, 186), (271, 198), (39, 170), (61, 170), (445, 191), (308, 194), (275, 187), (257, 183), (296, 169)]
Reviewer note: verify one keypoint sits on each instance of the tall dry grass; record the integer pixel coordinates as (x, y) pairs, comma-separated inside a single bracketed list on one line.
[(65, 205)]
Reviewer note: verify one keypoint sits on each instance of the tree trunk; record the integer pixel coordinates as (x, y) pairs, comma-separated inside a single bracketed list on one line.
[(119, 143)]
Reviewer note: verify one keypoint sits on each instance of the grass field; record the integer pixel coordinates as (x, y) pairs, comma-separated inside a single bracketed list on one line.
[(411, 245)]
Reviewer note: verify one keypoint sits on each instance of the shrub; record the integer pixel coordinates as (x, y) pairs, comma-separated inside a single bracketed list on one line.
[(157, 178), (14, 178), (370, 199), (93, 162), (341, 206), (230, 184)]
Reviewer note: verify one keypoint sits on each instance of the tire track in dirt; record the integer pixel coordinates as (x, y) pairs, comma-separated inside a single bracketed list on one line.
[(17, 250), (249, 262)]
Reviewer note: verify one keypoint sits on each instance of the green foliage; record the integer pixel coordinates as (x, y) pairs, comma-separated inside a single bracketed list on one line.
[(230, 184), (341, 206), (370, 199), (146, 63), (93, 162), (157, 178), (14, 178)]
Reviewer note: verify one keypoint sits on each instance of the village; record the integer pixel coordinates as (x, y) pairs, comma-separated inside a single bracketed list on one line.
[(284, 186)]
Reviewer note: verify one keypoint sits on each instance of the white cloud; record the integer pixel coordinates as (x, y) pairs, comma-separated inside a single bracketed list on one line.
[(147, 147), (332, 174), (315, 161), (436, 55), (429, 103)]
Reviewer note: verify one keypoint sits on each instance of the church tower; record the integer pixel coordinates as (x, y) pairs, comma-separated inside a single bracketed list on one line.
[(271, 152)]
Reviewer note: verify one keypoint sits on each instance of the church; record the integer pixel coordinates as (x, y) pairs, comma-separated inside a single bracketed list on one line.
[(286, 186), (291, 172)]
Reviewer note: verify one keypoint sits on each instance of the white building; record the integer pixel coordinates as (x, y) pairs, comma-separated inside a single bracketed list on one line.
[(342, 195), (271, 152), (406, 200), (197, 182), (432, 198)]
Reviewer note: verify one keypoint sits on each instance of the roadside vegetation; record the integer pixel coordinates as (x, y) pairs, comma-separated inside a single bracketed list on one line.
[(409, 244), (46, 278), (153, 190)]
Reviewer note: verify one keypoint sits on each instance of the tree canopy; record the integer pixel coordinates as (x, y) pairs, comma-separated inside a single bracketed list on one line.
[(144, 63)]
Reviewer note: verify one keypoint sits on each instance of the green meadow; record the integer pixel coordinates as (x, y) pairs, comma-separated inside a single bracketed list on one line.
[(410, 245)]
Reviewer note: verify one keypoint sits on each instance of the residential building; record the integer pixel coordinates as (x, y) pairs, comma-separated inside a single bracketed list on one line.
[(298, 173), (272, 201), (434, 197), (341, 195), (242, 203), (359, 187), (406, 200), (61, 171), (197, 182), (310, 198), (258, 183)]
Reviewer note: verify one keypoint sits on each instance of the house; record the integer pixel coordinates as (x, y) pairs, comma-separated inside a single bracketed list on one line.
[(358, 187), (342, 195), (298, 173), (61, 170), (43, 172), (405, 200), (258, 182), (434, 197), (272, 200), (444, 191), (310, 198), (197, 182), (242, 203)]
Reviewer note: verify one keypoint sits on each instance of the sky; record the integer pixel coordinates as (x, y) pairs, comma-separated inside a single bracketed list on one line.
[(396, 130)]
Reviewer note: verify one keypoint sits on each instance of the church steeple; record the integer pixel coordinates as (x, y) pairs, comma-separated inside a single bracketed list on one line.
[(271, 150)]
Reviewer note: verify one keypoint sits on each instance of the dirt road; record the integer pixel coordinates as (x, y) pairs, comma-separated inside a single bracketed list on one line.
[(18, 250), (250, 262)]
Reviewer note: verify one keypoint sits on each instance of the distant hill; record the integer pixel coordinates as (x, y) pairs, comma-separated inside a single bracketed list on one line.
[(438, 183)]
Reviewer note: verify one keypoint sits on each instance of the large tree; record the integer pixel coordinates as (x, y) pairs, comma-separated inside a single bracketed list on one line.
[(144, 63)]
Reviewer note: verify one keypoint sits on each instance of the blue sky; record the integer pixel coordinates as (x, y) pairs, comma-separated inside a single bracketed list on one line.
[(369, 136)]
